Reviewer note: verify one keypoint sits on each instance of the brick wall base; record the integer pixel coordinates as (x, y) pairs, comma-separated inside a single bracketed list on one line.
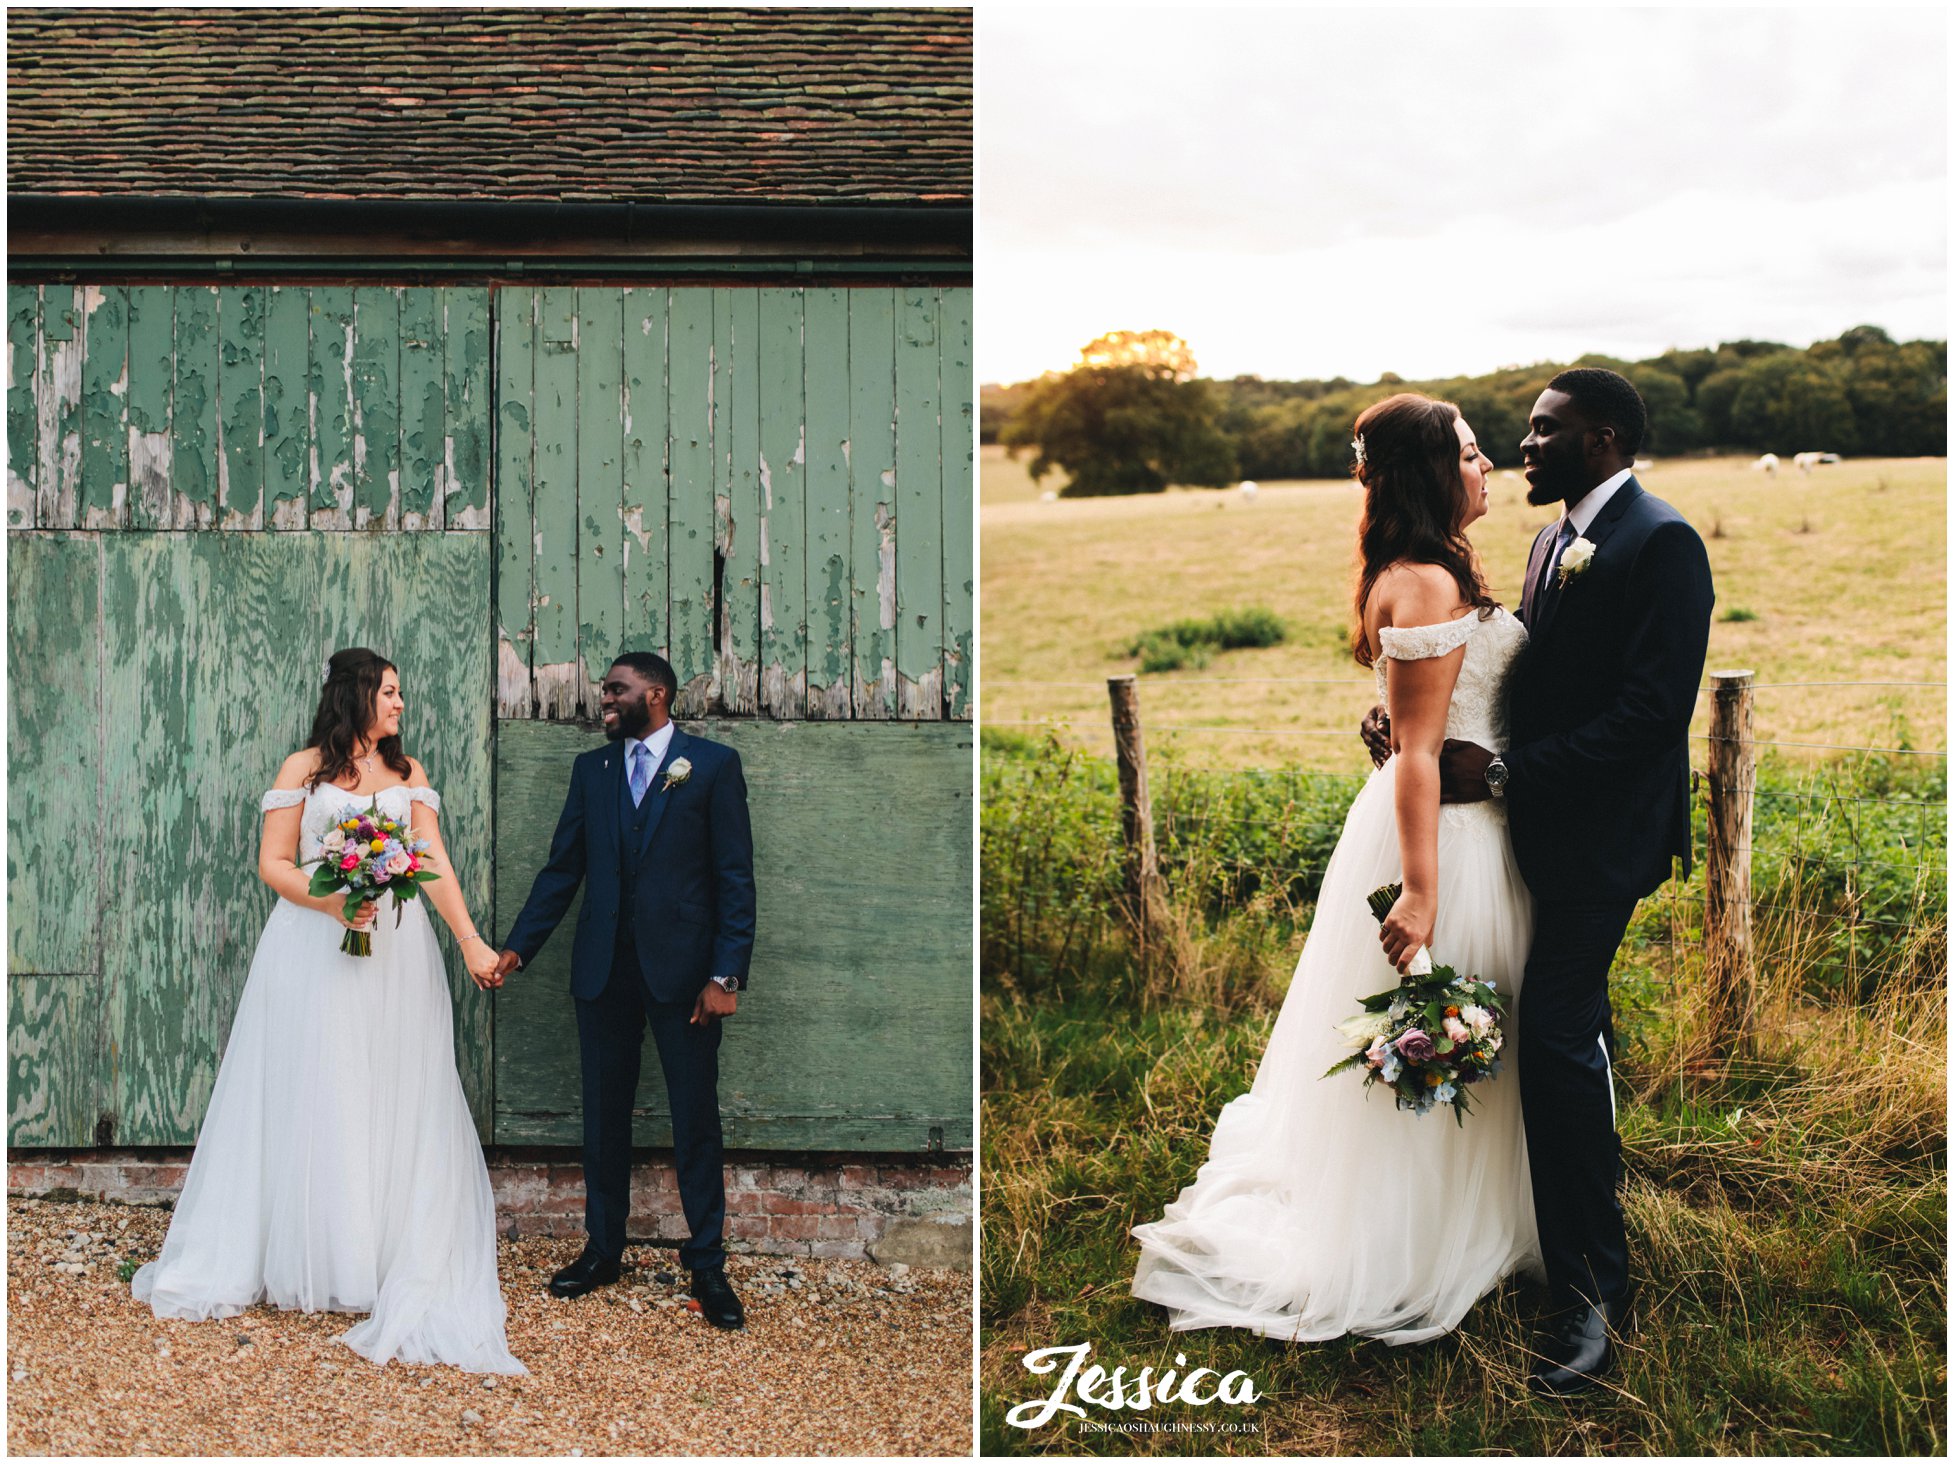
[(825, 1205)]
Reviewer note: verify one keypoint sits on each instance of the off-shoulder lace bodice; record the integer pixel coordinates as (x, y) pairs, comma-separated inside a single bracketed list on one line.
[(1478, 711), (327, 804)]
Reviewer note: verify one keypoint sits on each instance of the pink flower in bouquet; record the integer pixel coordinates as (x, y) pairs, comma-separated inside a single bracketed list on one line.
[(1374, 1054), (349, 861), (1456, 1029), (399, 864), (1415, 1046)]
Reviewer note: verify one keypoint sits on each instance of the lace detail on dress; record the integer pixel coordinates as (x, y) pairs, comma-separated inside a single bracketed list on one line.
[(281, 798), (424, 795), (1478, 710), (1422, 642)]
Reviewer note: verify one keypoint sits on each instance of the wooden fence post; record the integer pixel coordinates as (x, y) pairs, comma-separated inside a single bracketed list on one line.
[(1726, 878), (1143, 887)]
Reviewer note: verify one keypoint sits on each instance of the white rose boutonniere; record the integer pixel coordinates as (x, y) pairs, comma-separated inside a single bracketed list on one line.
[(677, 773), (1574, 562)]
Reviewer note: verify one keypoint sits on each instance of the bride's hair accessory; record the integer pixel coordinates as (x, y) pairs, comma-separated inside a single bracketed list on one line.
[(1357, 442)]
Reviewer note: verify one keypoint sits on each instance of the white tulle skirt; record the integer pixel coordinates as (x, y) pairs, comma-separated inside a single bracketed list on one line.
[(1322, 1209), (338, 1167)]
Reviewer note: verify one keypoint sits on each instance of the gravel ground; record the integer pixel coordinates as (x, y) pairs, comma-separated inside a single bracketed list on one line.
[(838, 1357)]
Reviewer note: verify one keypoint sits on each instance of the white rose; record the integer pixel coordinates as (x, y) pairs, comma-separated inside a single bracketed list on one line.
[(678, 772), (335, 841), (1575, 559)]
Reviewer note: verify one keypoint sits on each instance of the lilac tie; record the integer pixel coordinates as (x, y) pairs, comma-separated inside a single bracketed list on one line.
[(640, 772)]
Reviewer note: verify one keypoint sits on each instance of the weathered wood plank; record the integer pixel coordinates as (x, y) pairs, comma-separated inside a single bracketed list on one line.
[(52, 1066), (287, 421), (241, 397), (376, 407), (152, 380), (194, 409), (783, 506), (104, 408), (872, 498), (958, 449), (330, 408), (23, 414), (557, 676), (736, 516), (219, 714), (54, 741), (434, 637), (59, 400), (858, 830), (423, 411), (690, 371), (600, 487), (465, 313), (515, 481), (647, 412), (830, 649), (919, 511)]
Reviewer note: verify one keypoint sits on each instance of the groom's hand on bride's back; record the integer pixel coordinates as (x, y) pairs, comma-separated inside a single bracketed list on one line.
[(1376, 732), (1462, 772)]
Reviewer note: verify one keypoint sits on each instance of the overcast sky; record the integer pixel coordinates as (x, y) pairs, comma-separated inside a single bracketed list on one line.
[(1346, 192)]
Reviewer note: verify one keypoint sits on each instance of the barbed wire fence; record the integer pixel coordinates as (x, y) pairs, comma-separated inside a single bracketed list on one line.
[(1726, 782)]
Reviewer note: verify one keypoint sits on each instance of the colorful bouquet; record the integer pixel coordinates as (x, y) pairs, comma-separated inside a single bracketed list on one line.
[(368, 855), (1431, 1036)]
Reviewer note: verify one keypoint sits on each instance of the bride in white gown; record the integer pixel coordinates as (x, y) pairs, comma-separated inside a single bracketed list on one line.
[(1322, 1209), (337, 1168)]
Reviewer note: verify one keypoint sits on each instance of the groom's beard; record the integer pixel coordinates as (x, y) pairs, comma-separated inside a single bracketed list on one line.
[(632, 721)]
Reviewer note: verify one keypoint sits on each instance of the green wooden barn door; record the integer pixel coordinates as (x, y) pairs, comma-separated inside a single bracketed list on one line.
[(771, 487), (185, 464)]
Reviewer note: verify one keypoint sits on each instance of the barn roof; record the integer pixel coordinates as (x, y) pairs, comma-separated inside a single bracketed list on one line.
[(700, 106)]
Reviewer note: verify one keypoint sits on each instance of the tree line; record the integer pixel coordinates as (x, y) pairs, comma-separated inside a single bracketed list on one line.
[(1133, 417)]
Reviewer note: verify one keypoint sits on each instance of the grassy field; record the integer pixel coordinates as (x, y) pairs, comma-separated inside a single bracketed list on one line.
[(1787, 1208), (1844, 572)]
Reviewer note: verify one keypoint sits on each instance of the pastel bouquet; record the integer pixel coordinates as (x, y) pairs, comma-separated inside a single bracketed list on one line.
[(1431, 1036), (368, 855)]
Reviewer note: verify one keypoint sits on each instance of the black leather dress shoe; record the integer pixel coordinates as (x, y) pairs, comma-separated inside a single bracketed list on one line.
[(586, 1273), (714, 1293), (1580, 1350)]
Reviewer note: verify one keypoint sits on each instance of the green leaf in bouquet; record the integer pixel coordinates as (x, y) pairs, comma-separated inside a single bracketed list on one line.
[(1443, 1046), (325, 879)]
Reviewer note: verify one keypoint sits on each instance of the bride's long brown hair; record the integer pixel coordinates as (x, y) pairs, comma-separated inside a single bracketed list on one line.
[(347, 704), (1414, 501)]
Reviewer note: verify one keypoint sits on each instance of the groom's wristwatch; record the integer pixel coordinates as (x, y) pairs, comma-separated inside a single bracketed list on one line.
[(727, 983), (1496, 776)]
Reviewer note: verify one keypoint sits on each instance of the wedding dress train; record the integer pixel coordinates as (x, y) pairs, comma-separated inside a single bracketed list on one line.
[(1323, 1210), (337, 1168)]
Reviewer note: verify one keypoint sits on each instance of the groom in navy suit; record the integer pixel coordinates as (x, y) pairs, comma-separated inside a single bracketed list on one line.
[(655, 825), (1596, 786)]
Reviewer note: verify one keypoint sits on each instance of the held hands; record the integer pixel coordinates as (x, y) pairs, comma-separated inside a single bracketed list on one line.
[(484, 966), (507, 962), (714, 1002), (1406, 928)]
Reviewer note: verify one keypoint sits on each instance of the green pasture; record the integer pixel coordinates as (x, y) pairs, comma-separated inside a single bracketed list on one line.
[(1839, 576)]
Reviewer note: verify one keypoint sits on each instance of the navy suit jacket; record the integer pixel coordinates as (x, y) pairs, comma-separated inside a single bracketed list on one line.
[(693, 899), (1600, 702)]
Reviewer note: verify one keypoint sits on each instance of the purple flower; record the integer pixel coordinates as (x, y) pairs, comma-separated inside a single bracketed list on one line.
[(1416, 1046)]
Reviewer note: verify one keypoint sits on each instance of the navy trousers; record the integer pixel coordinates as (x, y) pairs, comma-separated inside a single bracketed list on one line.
[(1566, 1038), (610, 1034)]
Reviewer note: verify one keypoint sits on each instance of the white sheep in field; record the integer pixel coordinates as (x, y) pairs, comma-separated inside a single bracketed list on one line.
[(1249, 490), (1806, 461), (1642, 465), (1766, 464)]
